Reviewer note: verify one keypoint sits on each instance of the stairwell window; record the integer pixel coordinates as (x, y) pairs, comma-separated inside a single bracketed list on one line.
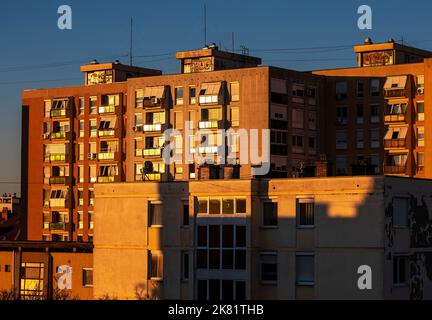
[(155, 263), (155, 215)]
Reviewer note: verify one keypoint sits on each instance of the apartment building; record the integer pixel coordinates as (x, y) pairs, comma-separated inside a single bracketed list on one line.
[(10, 217), (375, 112), (264, 239), (111, 130)]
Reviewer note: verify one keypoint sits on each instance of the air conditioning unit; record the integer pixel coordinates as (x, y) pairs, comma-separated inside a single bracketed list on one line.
[(420, 91), (155, 101), (46, 136), (92, 156)]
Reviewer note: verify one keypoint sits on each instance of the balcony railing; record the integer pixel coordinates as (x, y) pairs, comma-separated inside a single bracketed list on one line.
[(152, 127), (56, 157), (209, 149), (392, 93), (208, 124), (61, 135), (107, 133), (395, 143), (107, 155), (394, 117), (106, 179), (148, 177), (107, 109), (59, 113), (390, 169), (59, 226), (59, 180), (152, 152), (57, 203)]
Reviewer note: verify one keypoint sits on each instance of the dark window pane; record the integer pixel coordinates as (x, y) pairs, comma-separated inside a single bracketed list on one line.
[(214, 259), (270, 214), (186, 215), (307, 214), (201, 259), (240, 290), (227, 259), (214, 290), (269, 272), (228, 236), (240, 205), (241, 236), (227, 290), (215, 206), (240, 259), (202, 206), (214, 237), (202, 290), (202, 236), (228, 206)]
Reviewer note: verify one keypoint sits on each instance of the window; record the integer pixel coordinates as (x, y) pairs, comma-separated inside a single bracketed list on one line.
[(375, 87), (420, 161), (185, 265), (155, 214), (90, 220), (360, 88), (93, 105), (375, 138), (420, 111), (341, 115), (374, 113), (400, 270), (178, 120), (93, 128), (81, 128), (341, 165), (7, 268), (87, 277), (80, 151), (235, 117), (312, 120), (341, 90), (155, 265), (32, 281), (341, 140), (209, 93), (420, 85), (235, 91), (192, 95), (81, 105), (420, 136), (270, 214), (178, 93), (186, 214), (305, 269), (360, 139), (269, 266), (359, 113), (312, 144), (297, 141), (221, 206), (305, 212), (400, 212), (297, 118)]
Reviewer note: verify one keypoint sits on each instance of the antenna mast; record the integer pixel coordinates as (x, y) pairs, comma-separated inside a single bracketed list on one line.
[(205, 25), (131, 42)]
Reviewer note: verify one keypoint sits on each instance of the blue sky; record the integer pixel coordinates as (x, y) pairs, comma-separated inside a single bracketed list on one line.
[(34, 53)]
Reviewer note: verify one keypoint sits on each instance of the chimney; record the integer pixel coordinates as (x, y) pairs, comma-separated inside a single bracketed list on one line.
[(321, 167)]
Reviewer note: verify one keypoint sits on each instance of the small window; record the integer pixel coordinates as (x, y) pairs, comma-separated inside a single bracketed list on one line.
[(155, 214), (185, 265), (192, 95), (270, 217), (269, 266), (7, 268), (155, 265), (420, 111), (235, 91), (400, 270), (341, 90), (87, 277), (375, 87), (400, 212), (305, 212), (240, 205), (186, 214), (305, 269), (360, 88), (178, 95), (374, 113)]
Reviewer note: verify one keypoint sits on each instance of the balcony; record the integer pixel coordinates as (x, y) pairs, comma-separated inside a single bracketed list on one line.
[(108, 179), (107, 109), (156, 127), (61, 135), (395, 93), (103, 133), (208, 124), (58, 203), (56, 157), (393, 169), (152, 152), (60, 113), (152, 103), (59, 180), (148, 177), (59, 226), (395, 143), (107, 155), (394, 117)]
